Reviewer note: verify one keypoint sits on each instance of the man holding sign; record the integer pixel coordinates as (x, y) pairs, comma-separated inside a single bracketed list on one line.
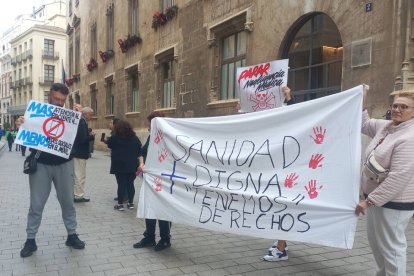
[(51, 167)]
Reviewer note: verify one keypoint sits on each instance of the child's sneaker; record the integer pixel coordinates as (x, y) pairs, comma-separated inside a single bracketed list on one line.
[(274, 245), (275, 255)]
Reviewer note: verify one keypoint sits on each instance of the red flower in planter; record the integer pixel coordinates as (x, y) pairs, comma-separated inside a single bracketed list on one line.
[(69, 82), (91, 65), (122, 45), (106, 55)]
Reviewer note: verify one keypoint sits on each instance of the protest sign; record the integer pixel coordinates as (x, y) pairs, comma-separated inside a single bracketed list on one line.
[(260, 85), (287, 173), (49, 128)]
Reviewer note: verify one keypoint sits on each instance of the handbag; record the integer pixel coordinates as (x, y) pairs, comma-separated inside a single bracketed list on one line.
[(374, 170), (30, 163)]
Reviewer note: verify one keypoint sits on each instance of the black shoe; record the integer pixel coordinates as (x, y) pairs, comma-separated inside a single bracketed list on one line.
[(119, 207), (28, 249), (81, 199), (145, 242), (75, 242), (162, 244), (130, 206)]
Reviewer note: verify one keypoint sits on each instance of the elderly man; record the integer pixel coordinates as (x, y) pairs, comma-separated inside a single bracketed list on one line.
[(81, 154), (56, 169)]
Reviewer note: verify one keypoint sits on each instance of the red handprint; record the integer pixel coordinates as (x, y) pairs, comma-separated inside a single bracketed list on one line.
[(158, 136), (162, 155), (315, 160), (290, 179), (319, 135), (158, 184), (312, 190)]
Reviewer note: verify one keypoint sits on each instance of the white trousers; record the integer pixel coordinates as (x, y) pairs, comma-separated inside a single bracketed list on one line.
[(386, 235), (79, 177)]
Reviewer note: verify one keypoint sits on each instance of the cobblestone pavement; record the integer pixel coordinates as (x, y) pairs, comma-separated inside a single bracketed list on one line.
[(109, 236)]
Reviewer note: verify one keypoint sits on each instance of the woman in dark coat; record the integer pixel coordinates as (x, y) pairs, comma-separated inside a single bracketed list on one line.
[(125, 147)]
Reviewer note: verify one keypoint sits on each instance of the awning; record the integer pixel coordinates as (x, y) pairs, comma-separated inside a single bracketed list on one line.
[(16, 110)]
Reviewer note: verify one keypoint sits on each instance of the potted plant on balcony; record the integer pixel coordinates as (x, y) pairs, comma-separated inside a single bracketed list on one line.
[(69, 82), (105, 56), (91, 65), (160, 18), (129, 42), (76, 77)]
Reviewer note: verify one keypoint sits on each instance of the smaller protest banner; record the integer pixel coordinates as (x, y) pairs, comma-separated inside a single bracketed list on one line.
[(48, 128), (260, 86)]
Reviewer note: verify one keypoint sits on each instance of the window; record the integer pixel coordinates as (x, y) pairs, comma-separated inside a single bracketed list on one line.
[(167, 3), (110, 28), (133, 17), (71, 55), (133, 89), (110, 97), (168, 91), (49, 73), (233, 55), (46, 96), (94, 45), (94, 101), (315, 58), (70, 102), (70, 7), (49, 48), (77, 52), (77, 97)]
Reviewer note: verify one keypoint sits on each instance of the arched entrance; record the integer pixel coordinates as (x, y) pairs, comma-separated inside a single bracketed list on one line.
[(314, 48)]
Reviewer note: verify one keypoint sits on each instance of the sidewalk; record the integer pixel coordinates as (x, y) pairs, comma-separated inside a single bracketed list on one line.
[(109, 236)]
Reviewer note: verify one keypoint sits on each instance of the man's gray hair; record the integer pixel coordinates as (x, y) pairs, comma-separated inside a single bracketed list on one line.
[(87, 109)]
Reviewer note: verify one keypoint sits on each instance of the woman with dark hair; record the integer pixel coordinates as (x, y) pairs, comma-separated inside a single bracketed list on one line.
[(125, 147)]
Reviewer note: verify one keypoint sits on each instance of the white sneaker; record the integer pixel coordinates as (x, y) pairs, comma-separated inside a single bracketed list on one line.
[(274, 245), (275, 255)]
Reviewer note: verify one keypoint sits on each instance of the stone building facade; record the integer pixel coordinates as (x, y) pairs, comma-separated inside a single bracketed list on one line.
[(184, 66)]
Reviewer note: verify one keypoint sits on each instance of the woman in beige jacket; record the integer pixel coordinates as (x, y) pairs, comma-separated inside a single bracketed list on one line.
[(389, 202)]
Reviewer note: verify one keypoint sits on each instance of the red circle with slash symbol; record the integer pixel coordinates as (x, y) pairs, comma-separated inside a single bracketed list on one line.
[(54, 127)]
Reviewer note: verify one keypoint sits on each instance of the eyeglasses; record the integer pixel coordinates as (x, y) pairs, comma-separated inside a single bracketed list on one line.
[(400, 106)]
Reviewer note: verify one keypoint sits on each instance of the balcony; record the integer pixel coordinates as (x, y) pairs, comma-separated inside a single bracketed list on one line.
[(16, 84), (28, 81), (13, 61), (29, 53), (21, 82), (19, 58), (11, 85), (47, 54), (47, 81), (24, 56)]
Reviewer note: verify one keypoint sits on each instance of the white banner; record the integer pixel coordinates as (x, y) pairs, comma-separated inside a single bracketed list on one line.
[(260, 85), (287, 173), (49, 128)]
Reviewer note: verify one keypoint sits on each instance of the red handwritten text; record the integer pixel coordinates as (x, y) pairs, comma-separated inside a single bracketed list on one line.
[(254, 72)]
